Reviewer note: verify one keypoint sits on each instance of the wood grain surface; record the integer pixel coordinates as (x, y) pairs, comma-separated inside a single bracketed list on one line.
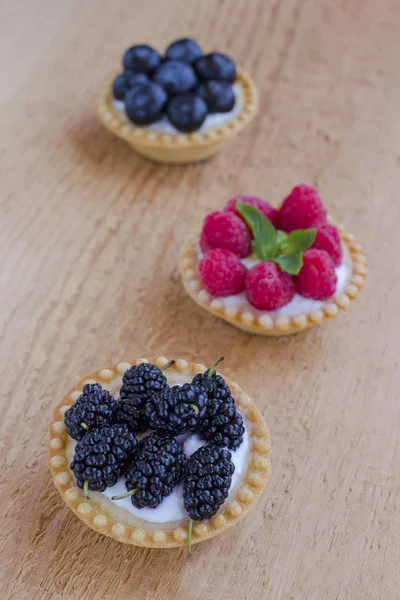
[(89, 239)]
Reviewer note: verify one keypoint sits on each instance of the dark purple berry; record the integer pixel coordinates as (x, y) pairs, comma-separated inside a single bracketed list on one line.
[(144, 104), (184, 50), (177, 409), (175, 77), (153, 471), (94, 408), (126, 81), (216, 66), (141, 59), (218, 95), (207, 479), (187, 112), (101, 455)]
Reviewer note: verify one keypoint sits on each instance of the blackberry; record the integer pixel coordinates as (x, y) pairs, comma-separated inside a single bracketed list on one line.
[(207, 479), (223, 425), (101, 455), (214, 384), (154, 470), (94, 408), (139, 384), (130, 411), (177, 410)]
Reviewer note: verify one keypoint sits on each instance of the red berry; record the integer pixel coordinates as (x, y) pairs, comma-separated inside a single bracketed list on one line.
[(317, 278), (222, 273), (328, 239), (204, 247), (227, 230), (302, 209), (267, 287), (263, 206)]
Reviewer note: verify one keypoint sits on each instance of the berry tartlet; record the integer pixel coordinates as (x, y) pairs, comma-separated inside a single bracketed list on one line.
[(273, 271), (176, 108), (159, 454)]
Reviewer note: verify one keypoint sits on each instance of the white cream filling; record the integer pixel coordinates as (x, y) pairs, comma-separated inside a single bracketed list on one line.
[(171, 508), (212, 121), (299, 305)]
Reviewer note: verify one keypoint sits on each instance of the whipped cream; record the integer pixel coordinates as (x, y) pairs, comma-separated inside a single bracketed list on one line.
[(171, 508), (299, 305), (212, 121)]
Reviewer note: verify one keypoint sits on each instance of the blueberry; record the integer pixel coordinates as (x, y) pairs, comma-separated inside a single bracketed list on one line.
[(218, 95), (125, 82), (216, 66), (145, 102), (187, 112), (175, 77), (141, 59), (185, 50)]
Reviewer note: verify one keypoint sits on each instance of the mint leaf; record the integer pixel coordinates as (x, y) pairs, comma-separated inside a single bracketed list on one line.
[(281, 240), (263, 231), (300, 240), (290, 263)]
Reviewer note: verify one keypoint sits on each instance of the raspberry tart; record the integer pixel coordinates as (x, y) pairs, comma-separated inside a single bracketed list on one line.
[(159, 454), (273, 271), (176, 108)]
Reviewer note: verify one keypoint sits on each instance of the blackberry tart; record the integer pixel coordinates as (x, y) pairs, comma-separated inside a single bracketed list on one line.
[(178, 107), (273, 271), (155, 488)]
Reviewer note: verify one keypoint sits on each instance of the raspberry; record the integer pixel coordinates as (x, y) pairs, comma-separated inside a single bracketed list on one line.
[(228, 231), (317, 278), (263, 206), (267, 287), (302, 209), (204, 247), (222, 273), (328, 239)]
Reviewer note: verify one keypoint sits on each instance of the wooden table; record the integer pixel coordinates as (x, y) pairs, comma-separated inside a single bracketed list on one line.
[(89, 239)]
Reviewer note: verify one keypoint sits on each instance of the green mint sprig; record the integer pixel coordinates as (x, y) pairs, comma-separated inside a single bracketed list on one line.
[(285, 249)]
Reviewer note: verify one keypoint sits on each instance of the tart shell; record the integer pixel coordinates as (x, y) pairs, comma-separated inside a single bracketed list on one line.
[(248, 319), (181, 148), (253, 482)]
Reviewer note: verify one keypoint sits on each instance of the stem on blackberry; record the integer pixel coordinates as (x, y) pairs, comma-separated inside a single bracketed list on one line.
[(84, 426), (194, 408), (86, 489), (126, 495), (213, 367), (168, 365), (189, 536)]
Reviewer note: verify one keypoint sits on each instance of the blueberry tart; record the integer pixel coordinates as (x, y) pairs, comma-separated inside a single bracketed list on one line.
[(178, 107), (273, 271), (177, 456)]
